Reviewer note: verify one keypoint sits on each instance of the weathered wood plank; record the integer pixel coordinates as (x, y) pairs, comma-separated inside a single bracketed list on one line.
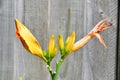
[(6, 39)]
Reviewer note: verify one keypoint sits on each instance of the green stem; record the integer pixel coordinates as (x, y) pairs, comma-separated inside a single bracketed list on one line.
[(58, 65), (54, 75), (50, 69)]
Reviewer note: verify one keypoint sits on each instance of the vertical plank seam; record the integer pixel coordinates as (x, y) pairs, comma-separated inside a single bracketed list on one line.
[(118, 43)]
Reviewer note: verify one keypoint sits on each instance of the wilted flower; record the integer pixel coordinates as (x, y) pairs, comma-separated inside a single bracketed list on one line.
[(102, 25)]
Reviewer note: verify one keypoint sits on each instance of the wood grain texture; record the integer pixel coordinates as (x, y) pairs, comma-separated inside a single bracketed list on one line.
[(6, 39), (47, 17)]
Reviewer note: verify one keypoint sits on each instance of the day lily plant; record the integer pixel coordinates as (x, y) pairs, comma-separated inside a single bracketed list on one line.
[(66, 47)]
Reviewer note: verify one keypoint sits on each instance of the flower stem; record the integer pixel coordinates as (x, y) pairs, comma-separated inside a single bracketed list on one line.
[(58, 65), (50, 70), (54, 75)]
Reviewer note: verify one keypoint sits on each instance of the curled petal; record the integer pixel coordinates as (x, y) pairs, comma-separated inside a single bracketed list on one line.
[(102, 25), (99, 38), (28, 40), (101, 28)]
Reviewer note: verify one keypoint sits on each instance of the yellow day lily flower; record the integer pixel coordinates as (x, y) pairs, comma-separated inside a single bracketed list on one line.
[(102, 25), (29, 42)]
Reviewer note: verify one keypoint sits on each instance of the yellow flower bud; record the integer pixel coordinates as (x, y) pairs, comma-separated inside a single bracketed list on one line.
[(51, 44), (60, 42), (70, 43), (54, 51), (66, 42)]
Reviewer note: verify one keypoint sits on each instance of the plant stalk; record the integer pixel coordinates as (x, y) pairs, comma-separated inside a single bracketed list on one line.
[(58, 65), (54, 75)]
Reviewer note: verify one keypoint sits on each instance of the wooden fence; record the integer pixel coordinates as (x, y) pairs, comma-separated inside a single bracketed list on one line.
[(47, 17)]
